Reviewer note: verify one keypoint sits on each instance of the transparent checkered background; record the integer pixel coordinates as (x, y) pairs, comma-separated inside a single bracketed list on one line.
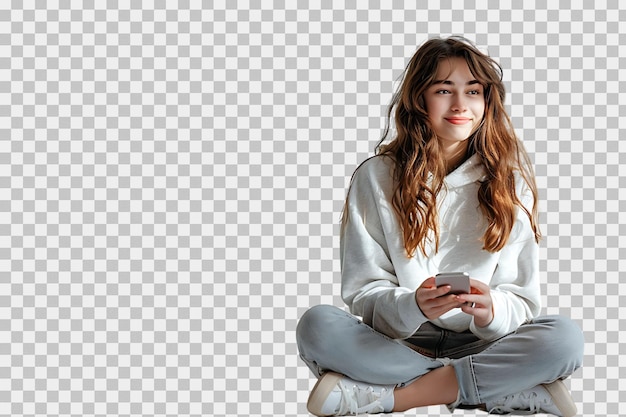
[(172, 177)]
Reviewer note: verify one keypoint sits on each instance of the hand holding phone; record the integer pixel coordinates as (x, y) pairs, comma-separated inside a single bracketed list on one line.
[(458, 281)]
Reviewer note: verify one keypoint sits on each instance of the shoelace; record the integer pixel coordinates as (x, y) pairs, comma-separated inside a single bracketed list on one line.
[(511, 404), (352, 396)]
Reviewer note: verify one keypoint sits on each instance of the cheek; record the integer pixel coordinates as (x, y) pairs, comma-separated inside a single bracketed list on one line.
[(479, 110), (434, 108)]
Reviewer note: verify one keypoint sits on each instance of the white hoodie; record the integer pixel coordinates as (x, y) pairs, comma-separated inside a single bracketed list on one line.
[(379, 280)]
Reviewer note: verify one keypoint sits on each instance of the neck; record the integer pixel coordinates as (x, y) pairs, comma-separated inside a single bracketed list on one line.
[(454, 155)]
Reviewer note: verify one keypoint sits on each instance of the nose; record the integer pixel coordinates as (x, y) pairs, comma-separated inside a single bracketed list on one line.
[(458, 104)]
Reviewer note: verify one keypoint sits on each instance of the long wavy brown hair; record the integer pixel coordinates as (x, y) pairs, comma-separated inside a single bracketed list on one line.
[(419, 168)]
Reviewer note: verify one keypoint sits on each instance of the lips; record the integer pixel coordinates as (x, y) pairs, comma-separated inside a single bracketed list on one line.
[(458, 120)]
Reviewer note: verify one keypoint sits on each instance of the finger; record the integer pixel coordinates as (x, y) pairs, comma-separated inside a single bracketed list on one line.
[(480, 286), (473, 303), (451, 302), (430, 301), (442, 291), (437, 310), (433, 293), (476, 299), (428, 283), (446, 300), (470, 308), (442, 302)]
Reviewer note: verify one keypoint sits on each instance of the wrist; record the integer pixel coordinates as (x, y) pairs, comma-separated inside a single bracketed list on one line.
[(482, 323)]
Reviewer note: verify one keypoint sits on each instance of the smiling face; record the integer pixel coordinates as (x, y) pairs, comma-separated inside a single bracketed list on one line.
[(455, 104)]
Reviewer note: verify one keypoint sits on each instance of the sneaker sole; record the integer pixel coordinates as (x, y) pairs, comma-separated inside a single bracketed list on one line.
[(562, 398), (324, 386)]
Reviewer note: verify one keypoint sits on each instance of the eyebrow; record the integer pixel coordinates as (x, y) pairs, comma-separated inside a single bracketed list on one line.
[(448, 82)]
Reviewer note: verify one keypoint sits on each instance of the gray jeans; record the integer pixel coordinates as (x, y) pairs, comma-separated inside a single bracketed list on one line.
[(541, 351)]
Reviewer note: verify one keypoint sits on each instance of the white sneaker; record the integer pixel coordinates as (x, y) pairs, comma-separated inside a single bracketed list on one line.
[(338, 395), (553, 398)]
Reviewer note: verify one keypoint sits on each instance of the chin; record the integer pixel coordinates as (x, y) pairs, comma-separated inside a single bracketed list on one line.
[(458, 139)]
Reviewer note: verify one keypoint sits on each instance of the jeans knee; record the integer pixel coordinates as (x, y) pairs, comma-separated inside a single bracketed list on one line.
[(564, 342), (313, 328)]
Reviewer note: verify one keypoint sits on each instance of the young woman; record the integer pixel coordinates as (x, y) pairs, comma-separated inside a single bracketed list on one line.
[(453, 191)]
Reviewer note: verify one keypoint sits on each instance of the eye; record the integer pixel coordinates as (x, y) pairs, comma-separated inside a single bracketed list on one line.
[(442, 91), (474, 92)]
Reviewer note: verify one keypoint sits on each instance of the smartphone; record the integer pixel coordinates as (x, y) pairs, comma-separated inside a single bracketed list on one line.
[(458, 281)]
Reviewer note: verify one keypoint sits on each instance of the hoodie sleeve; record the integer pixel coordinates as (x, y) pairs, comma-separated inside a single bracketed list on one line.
[(369, 285), (515, 285)]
